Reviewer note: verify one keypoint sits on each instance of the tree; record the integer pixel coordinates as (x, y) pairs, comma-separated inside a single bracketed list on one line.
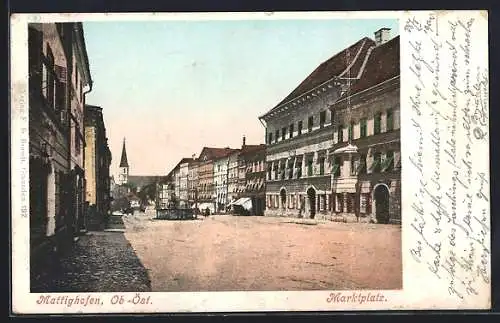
[(148, 192), (131, 186)]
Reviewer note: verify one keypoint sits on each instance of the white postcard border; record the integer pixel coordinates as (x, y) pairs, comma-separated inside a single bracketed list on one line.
[(420, 289)]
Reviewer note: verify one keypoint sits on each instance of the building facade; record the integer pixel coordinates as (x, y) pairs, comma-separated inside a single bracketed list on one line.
[(367, 154), (183, 183), (164, 193), (221, 168), (178, 179), (206, 184), (221, 178), (193, 184), (251, 190), (207, 192), (59, 78), (233, 176), (255, 178), (310, 155), (299, 137), (81, 83), (97, 162)]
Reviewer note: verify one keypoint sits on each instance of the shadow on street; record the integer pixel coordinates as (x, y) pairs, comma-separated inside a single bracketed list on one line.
[(102, 261)]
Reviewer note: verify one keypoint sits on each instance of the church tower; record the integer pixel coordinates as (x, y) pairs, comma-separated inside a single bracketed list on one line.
[(123, 175)]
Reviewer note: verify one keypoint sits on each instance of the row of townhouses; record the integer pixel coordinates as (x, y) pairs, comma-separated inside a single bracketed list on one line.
[(332, 147), (69, 156), (220, 180)]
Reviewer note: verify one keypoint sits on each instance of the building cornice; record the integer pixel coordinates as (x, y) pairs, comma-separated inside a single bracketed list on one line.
[(82, 54), (306, 96)]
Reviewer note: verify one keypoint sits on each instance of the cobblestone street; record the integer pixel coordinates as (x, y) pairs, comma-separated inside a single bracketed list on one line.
[(223, 253), (100, 262)]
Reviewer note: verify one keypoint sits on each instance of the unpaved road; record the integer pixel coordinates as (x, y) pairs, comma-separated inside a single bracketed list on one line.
[(224, 253)]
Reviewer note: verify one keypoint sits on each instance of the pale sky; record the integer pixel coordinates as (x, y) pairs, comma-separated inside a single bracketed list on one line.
[(172, 87)]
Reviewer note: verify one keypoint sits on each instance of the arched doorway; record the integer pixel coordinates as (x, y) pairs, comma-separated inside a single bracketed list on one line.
[(381, 200), (283, 198), (311, 195)]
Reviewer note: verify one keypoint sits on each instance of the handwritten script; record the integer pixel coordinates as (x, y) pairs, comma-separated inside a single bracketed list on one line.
[(447, 88)]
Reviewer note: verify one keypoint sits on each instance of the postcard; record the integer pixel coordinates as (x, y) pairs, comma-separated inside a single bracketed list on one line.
[(250, 162)]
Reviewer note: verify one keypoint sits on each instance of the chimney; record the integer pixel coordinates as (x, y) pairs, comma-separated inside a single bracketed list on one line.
[(244, 141), (382, 35)]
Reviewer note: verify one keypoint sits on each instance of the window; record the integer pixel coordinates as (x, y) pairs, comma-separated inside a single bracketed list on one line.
[(283, 133), (290, 133), (354, 166), (77, 141), (48, 78), (299, 128), (310, 123), (362, 164), (270, 140), (282, 171), (376, 123), (322, 119), (332, 116), (290, 169), (322, 165), (309, 167), (277, 135), (35, 43), (390, 122), (336, 166), (362, 128), (389, 161), (340, 133), (377, 160), (350, 132), (299, 168)]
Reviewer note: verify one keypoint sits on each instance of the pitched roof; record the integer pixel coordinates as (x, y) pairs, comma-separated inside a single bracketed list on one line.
[(382, 65), (348, 61), (123, 160), (249, 149), (215, 153)]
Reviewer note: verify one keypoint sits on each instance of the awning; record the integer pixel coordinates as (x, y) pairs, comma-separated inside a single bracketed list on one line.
[(244, 202), (241, 201), (247, 205), (203, 206)]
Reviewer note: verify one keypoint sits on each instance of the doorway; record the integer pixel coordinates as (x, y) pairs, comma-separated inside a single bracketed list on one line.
[(381, 196), (311, 195)]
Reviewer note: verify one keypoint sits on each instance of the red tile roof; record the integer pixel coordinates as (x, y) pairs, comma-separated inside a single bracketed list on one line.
[(382, 65), (338, 65), (215, 153)]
